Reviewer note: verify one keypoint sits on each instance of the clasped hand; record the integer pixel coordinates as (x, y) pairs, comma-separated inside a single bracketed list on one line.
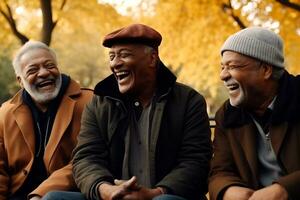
[(272, 192), (126, 190)]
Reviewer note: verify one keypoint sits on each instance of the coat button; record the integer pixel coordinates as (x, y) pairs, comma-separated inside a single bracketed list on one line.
[(25, 172)]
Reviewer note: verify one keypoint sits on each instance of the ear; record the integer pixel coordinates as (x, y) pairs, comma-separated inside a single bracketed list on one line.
[(268, 70), (20, 81), (154, 58)]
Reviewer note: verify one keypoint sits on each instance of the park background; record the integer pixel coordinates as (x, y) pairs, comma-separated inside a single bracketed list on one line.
[(193, 32)]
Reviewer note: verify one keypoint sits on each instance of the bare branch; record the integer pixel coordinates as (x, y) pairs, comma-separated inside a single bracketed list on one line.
[(12, 23), (9, 10), (61, 8), (63, 4), (227, 8), (4, 14), (289, 4)]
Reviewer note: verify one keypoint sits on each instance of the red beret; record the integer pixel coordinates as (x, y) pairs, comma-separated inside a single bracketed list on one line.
[(135, 33)]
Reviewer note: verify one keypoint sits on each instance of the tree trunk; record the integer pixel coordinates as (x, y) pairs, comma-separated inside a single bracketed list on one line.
[(48, 24)]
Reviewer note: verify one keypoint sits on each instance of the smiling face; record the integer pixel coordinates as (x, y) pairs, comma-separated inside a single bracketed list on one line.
[(39, 75), (134, 67), (245, 78)]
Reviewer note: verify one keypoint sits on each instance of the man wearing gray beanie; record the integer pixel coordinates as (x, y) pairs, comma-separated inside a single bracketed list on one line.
[(257, 135)]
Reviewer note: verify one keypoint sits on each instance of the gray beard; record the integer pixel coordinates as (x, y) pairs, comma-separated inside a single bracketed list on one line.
[(42, 97)]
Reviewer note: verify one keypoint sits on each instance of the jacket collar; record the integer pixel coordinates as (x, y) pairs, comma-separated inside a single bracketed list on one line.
[(73, 89), (286, 107), (109, 86), (63, 118)]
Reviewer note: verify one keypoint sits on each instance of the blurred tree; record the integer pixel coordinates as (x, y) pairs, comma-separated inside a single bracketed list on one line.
[(79, 42), (281, 16), (193, 32), (290, 4), (7, 76), (8, 84), (76, 39), (48, 24)]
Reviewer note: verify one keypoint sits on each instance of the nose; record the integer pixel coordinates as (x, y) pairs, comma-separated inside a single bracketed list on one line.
[(224, 74), (43, 72), (116, 63)]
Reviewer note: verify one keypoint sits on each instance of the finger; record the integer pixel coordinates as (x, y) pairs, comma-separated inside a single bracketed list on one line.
[(130, 183), (135, 186), (119, 182)]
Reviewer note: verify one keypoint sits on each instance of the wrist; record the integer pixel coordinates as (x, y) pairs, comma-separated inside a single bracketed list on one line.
[(103, 187)]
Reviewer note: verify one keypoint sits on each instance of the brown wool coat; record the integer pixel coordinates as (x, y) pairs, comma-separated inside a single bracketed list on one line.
[(235, 159), (17, 142)]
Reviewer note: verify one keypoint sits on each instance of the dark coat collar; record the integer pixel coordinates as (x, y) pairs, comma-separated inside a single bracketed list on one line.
[(286, 107), (109, 86)]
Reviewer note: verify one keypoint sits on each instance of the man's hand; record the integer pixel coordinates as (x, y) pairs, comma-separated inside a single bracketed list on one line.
[(272, 192), (138, 192), (132, 187), (237, 193), (112, 192)]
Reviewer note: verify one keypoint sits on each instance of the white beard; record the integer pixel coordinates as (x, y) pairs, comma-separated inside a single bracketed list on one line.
[(45, 96)]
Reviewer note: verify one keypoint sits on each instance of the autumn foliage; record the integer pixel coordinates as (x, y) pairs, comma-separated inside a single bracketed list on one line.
[(193, 32)]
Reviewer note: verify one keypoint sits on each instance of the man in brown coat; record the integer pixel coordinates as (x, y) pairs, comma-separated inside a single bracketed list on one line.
[(257, 137), (39, 127)]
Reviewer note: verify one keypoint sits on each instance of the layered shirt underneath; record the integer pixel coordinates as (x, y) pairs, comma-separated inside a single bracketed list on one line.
[(269, 168), (137, 141)]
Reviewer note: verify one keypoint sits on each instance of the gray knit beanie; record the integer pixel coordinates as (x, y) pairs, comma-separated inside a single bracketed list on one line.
[(259, 43)]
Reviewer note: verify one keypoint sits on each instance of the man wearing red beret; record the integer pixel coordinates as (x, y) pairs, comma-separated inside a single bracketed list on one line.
[(143, 135)]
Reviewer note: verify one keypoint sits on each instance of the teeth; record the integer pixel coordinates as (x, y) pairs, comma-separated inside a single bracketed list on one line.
[(121, 73), (232, 86), (44, 83)]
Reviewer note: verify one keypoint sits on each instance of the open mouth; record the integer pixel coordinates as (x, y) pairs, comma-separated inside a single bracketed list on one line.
[(122, 75), (232, 87), (45, 84)]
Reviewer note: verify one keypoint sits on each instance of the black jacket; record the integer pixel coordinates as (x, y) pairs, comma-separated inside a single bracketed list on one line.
[(180, 147)]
